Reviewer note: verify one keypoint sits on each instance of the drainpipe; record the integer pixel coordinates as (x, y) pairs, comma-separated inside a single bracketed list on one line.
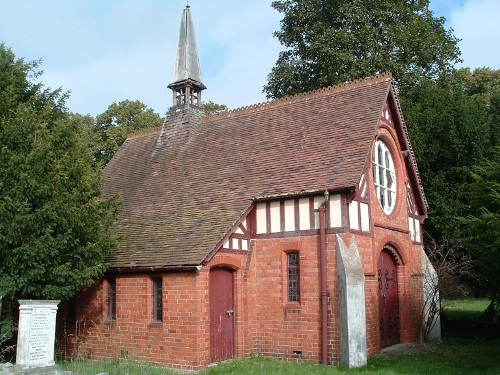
[(323, 276)]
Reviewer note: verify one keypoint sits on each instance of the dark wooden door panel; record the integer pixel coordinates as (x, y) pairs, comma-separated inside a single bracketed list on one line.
[(388, 300), (221, 314)]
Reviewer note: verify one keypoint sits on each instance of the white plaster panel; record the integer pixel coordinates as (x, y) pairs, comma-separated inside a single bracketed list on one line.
[(261, 218), (275, 217), (363, 185), (289, 215), (410, 228), (335, 211), (238, 230), (417, 231), (354, 215), (236, 244), (317, 203), (244, 245), (304, 214), (226, 245), (365, 217)]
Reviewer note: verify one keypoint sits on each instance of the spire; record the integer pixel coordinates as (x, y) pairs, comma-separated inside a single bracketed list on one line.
[(186, 82)]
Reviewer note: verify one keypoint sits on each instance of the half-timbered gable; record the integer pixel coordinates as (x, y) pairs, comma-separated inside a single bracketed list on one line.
[(289, 229)]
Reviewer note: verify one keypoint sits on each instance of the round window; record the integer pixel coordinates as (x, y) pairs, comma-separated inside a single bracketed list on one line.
[(384, 176)]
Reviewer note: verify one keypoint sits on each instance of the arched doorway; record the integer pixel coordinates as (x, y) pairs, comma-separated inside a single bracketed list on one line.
[(221, 313), (388, 299)]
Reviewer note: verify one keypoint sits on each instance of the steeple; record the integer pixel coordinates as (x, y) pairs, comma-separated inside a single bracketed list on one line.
[(186, 82)]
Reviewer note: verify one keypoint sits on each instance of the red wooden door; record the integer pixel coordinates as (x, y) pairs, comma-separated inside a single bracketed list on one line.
[(388, 300), (221, 314)]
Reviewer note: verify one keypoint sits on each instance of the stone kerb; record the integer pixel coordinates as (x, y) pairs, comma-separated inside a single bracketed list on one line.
[(36, 333)]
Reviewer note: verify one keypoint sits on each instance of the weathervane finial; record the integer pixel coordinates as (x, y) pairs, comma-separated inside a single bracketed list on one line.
[(187, 3)]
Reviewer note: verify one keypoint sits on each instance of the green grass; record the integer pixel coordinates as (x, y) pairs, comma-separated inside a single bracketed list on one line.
[(459, 353), (469, 310), (457, 356), (472, 357), (122, 367)]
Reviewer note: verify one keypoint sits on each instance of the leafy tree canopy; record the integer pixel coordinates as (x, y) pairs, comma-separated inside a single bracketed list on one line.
[(212, 108), (333, 41), (55, 229), (112, 127)]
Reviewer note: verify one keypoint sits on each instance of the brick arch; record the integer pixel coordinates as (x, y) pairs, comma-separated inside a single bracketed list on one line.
[(227, 261), (395, 254), (393, 246)]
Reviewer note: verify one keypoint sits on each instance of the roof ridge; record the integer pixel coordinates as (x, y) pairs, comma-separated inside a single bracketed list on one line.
[(144, 132), (383, 77)]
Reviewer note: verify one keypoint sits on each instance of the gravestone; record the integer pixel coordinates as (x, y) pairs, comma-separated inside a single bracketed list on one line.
[(36, 333)]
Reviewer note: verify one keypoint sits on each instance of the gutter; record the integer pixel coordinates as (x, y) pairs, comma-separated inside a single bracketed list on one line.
[(143, 269)]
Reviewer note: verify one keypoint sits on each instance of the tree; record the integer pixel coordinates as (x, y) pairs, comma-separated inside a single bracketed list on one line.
[(482, 227), (112, 127), (333, 41), (55, 229), (453, 124), (212, 108)]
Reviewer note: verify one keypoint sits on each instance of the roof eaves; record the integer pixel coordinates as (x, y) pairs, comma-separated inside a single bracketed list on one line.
[(151, 269), (303, 193), (411, 155)]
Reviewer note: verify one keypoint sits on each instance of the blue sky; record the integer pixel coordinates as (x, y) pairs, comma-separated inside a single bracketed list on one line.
[(105, 51)]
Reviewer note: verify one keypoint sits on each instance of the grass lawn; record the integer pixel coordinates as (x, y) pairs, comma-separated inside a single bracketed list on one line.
[(461, 356), (464, 310), (462, 353)]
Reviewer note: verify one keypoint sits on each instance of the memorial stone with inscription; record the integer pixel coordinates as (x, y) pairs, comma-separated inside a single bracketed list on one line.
[(36, 333)]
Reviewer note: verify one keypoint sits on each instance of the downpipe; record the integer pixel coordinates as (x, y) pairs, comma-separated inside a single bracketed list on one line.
[(323, 276)]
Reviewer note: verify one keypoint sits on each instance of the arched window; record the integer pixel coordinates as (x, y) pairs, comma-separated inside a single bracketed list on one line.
[(384, 176)]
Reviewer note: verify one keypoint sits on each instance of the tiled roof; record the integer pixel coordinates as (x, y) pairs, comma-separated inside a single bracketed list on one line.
[(180, 199)]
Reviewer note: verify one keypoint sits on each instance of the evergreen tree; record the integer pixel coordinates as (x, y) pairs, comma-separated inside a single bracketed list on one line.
[(481, 230), (55, 229), (453, 125)]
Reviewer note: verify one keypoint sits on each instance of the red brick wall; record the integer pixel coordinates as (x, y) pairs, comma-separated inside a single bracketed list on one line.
[(176, 342), (265, 323)]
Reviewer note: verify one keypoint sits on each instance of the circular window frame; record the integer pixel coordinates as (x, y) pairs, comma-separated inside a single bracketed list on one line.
[(384, 176)]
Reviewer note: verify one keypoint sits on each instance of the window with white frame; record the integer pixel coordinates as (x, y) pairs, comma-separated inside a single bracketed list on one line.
[(384, 176)]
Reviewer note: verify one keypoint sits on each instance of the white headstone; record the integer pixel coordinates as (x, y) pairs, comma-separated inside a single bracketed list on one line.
[(36, 333)]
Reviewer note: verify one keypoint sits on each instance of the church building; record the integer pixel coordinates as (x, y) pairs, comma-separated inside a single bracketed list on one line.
[(289, 229)]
